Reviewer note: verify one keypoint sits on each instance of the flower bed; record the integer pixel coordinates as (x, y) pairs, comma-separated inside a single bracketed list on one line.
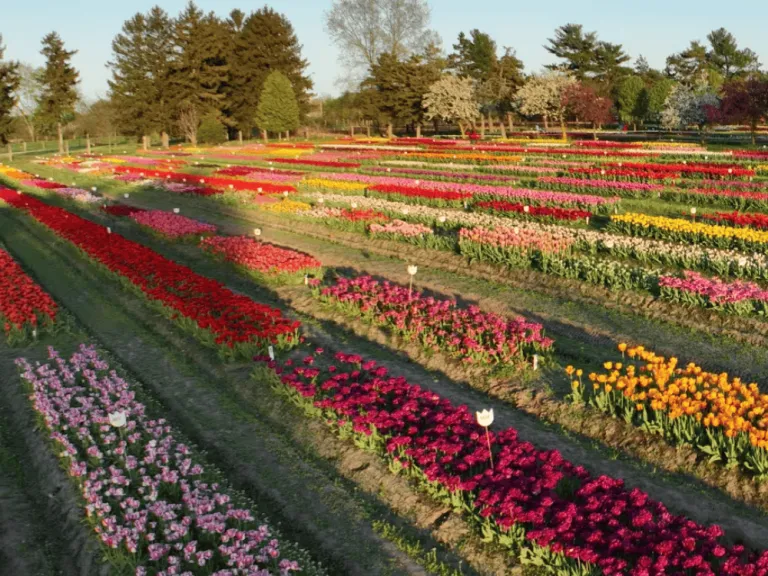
[(719, 416), (400, 228), (171, 225), (153, 506), (121, 210), (253, 255), (523, 498), (24, 306), (410, 192), (208, 181), (466, 334), (318, 163), (738, 297), (544, 212), (759, 221), (679, 230), (286, 207), (623, 189), (233, 323)]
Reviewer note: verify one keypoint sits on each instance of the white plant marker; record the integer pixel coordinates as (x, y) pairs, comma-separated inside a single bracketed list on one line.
[(271, 353)]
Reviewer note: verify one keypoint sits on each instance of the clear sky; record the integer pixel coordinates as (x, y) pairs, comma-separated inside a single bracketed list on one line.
[(654, 28)]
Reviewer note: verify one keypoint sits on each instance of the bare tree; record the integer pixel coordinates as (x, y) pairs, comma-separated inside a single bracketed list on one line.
[(27, 96), (365, 29), (189, 120)]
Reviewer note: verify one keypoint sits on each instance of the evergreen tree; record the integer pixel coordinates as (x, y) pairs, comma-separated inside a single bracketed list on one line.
[(200, 68), (400, 88), (9, 84), (139, 88), (211, 130), (586, 57), (58, 81), (278, 109), (265, 43), (631, 100), (473, 57)]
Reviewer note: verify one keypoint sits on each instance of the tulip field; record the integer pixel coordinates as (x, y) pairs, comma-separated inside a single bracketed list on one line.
[(386, 356)]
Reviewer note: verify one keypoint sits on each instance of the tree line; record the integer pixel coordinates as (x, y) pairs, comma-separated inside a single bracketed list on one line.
[(408, 80), (198, 76), (186, 76)]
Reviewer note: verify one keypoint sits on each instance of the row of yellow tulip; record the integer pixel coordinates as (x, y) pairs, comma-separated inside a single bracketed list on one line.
[(718, 415), (682, 230)]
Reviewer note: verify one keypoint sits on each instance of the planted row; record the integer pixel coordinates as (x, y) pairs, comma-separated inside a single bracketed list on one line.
[(233, 323)]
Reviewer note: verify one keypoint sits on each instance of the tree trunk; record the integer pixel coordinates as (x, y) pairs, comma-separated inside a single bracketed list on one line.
[(287, 135), (482, 126), (10, 152), (390, 133), (66, 147), (594, 131), (166, 140), (24, 146), (352, 130), (87, 144), (546, 122), (265, 136), (754, 131), (240, 137), (461, 127), (418, 130), (511, 123), (279, 135), (368, 130), (491, 124), (61, 137), (562, 128), (503, 130), (634, 126)]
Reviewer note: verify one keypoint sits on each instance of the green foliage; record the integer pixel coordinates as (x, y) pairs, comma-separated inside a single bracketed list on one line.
[(263, 42), (58, 80), (656, 96), (722, 61), (398, 88), (139, 87), (630, 101), (9, 84), (278, 109), (586, 57), (199, 70), (473, 57), (211, 130)]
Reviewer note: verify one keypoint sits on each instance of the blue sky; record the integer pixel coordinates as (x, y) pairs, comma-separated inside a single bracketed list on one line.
[(654, 28)]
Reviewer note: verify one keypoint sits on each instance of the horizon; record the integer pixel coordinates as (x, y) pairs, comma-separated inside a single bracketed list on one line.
[(90, 30)]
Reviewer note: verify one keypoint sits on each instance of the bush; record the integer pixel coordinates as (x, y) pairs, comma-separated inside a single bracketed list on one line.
[(211, 130)]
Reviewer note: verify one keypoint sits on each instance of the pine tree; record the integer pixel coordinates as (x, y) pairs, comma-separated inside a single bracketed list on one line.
[(211, 130), (9, 84), (278, 109), (139, 87), (200, 68), (59, 78), (265, 43)]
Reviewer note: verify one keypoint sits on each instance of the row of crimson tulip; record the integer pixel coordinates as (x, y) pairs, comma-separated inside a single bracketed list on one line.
[(252, 170), (707, 170), (234, 323), (759, 221), (147, 496), (317, 163), (523, 497), (261, 257), (221, 183), (467, 334), (544, 212), (24, 305), (415, 192), (629, 174), (694, 289)]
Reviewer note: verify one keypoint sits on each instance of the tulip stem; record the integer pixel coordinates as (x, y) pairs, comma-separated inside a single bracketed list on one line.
[(488, 438), (410, 287)]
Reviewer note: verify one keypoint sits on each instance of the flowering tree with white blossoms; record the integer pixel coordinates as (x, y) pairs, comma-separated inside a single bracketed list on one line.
[(452, 99), (685, 106), (544, 95)]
